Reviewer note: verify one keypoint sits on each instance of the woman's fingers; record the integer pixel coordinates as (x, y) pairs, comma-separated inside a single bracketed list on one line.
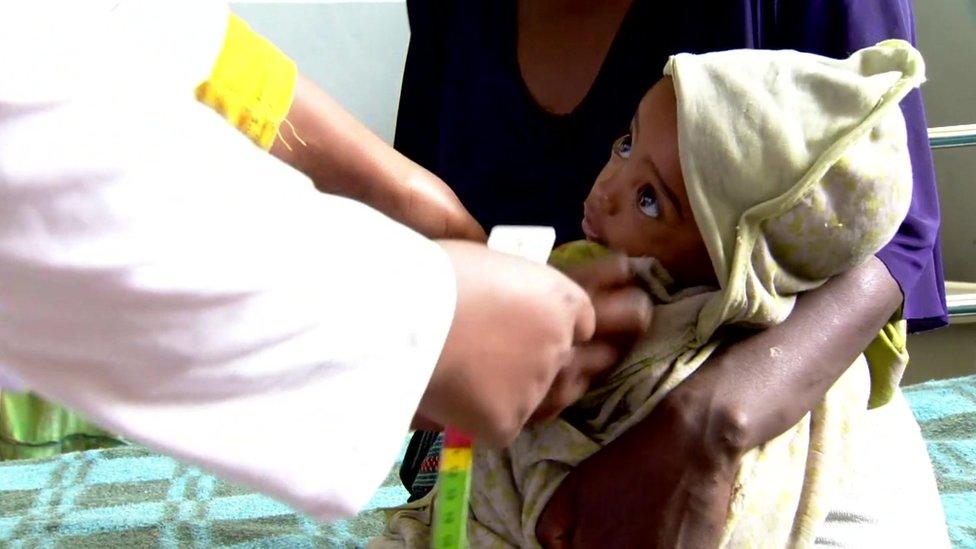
[(620, 312), (622, 308), (593, 360), (623, 311), (612, 271)]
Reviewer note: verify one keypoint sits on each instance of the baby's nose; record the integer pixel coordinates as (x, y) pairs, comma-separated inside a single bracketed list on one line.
[(601, 201)]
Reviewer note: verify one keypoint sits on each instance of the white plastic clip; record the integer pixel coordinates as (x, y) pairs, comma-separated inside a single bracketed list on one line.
[(526, 241)]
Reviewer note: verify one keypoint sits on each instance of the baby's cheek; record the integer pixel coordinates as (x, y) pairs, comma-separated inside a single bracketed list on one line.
[(696, 264), (683, 253)]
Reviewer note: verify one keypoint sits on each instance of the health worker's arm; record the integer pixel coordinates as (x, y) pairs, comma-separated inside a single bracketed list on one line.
[(180, 286), (342, 156), (259, 90), (183, 288)]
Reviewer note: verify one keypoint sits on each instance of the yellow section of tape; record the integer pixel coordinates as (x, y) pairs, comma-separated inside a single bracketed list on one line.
[(456, 459), (251, 85)]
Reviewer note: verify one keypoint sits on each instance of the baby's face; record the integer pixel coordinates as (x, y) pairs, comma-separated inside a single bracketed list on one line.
[(638, 204)]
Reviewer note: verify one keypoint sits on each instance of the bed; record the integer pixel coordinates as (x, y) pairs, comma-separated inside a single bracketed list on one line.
[(131, 497)]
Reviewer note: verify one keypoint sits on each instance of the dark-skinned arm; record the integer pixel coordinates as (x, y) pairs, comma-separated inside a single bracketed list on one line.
[(676, 467), (756, 389), (343, 157), (258, 89)]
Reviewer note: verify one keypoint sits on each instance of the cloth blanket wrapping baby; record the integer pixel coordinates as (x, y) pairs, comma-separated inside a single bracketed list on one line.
[(797, 169)]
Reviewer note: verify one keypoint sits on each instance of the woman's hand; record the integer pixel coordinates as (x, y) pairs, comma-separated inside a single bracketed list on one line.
[(623, 313), (667, 481), (343, 157)]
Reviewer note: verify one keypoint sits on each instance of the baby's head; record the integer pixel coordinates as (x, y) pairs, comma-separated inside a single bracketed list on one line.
[(639, 204), (761, 172)]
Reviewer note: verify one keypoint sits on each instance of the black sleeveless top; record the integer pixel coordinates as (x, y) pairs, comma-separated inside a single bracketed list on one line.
[(467, 115)]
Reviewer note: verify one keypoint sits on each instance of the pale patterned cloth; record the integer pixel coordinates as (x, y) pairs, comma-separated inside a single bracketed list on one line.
[(775, 501)]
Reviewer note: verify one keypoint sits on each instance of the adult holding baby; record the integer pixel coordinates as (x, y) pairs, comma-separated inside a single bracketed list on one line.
[(491, 105)]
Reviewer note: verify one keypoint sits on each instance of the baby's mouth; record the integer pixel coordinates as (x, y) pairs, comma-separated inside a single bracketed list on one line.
[(591, 232)]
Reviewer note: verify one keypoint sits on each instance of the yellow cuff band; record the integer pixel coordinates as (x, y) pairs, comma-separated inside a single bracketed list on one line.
[(251, 85)]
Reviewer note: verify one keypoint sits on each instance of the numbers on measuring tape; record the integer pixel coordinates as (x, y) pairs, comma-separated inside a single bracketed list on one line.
[(451, 511)]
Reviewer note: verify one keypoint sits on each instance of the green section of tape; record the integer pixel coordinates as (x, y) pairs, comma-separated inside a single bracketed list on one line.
[(451, 510)]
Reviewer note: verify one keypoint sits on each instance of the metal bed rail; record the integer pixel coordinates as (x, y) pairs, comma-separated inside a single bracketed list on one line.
[(960, 296), (961, 301), (952, 136)]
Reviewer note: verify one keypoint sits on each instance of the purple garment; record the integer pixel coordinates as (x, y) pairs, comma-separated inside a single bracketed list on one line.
[(466, 115)]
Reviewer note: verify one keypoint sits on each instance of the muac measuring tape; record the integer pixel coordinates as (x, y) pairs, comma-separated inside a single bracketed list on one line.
[(454, 476)]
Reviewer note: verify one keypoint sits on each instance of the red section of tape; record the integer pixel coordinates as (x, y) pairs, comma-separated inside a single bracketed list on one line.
[(454, 439)]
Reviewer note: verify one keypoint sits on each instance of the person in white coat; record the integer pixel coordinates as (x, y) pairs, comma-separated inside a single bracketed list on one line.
[(182, 287)]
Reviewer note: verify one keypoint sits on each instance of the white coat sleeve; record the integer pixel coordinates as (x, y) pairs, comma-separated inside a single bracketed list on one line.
[(178, 285)]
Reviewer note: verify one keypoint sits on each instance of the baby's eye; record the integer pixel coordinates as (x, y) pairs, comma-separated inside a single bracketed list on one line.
[(622, 146), (647, 202)]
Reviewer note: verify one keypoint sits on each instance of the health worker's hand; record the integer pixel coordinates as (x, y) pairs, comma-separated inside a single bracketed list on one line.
[(516, 329)]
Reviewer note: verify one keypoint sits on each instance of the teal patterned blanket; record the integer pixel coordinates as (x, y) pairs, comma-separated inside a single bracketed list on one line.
[(130, 497), (946, 411)]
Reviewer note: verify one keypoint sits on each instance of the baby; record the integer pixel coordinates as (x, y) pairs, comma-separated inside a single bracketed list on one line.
[(747, 177)]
